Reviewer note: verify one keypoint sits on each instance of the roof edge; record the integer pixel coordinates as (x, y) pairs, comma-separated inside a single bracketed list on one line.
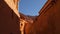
[(49, 2)]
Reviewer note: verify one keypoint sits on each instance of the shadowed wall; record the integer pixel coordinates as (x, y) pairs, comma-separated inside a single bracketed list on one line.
[(9, 21), (48, 22)]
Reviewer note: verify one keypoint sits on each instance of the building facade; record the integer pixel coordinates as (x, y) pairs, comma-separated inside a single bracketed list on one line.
[(9, 17), (25, 23), (48, 21)]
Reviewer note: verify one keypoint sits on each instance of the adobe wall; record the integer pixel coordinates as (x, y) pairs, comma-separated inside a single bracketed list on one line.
[(9, 20), (48, 22)]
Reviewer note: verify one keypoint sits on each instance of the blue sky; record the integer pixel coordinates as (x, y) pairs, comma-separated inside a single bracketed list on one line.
[(31, 7)]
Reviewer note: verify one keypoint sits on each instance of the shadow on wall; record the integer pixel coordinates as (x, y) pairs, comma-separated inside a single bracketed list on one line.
[(9, 21), (48, 22)]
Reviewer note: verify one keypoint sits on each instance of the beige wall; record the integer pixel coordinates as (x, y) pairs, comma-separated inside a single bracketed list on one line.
[(13, 4), (9, 18)]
